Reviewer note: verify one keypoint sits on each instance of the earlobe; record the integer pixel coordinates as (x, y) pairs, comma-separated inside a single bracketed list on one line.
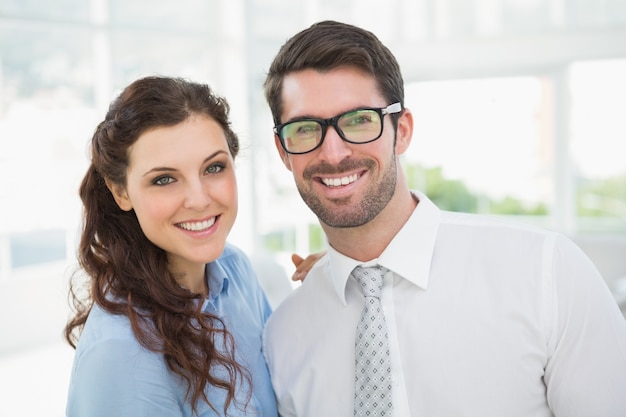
[(404, 132), (283, 155), (120, 195)]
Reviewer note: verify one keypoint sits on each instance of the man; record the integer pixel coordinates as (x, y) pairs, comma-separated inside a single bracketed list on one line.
[(476, 317)]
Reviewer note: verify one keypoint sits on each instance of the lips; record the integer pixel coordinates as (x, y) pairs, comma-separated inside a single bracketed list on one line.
[(197, 226)]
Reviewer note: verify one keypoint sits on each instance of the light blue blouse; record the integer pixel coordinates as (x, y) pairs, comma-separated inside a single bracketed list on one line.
[(113, 375)]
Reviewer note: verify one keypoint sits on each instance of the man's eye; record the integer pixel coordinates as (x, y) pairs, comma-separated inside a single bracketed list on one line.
[(358, 119), (307, 128)]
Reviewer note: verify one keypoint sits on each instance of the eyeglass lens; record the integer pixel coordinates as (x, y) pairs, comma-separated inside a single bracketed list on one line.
[(357, 126)]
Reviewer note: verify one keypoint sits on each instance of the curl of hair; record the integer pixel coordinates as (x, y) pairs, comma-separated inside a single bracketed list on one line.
[(127, 274), (328, 45)]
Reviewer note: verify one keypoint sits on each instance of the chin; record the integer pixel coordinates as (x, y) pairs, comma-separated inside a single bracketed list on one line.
[(212, 254)]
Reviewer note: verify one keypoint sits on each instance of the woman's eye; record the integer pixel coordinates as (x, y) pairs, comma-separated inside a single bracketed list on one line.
[(215, 168), (164, 180)]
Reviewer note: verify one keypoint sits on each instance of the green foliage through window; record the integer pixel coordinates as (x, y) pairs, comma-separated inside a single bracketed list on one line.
[(454, 195)]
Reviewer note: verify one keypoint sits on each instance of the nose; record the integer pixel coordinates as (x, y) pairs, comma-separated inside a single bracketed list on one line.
[(334, 149), (196, 195)]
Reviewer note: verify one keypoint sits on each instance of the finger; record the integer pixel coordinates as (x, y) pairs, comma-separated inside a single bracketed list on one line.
[(299, 275), (296, 259)]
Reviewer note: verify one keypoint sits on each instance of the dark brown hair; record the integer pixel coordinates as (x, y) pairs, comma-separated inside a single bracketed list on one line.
[(128, 274), (329, 45)]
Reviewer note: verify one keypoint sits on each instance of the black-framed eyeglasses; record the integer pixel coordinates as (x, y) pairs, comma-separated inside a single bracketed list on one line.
[(355, 126)]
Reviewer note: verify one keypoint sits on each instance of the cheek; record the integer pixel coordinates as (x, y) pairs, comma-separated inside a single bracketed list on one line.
[(233, 193), (153, 209), (224, 197), (384, 150), (225, 191), (297, 165)]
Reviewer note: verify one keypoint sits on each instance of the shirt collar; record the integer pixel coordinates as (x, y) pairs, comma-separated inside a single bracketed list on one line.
[(408, 255), (217, 279)]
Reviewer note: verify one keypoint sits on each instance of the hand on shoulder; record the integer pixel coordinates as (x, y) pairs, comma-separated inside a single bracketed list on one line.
[(304, 265)]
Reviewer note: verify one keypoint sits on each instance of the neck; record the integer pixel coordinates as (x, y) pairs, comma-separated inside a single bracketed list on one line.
[(368, 241), (193, 279)]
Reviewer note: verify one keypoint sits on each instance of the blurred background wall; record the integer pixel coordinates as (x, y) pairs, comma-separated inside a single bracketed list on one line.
[(518, 106)]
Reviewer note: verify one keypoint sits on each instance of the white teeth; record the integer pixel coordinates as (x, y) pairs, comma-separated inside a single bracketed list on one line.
[(197, 226), (336, 182)]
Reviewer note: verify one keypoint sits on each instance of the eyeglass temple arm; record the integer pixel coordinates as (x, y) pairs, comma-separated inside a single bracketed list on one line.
[(392, 108)]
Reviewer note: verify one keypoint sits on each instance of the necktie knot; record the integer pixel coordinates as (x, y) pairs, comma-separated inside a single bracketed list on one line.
[(371, 279)]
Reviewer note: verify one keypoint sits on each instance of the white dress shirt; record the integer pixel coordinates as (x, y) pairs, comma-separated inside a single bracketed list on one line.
[(486, 319)]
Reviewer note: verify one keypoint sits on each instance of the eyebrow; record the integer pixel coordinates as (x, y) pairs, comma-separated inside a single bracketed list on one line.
[(168, 169), (311, 117)]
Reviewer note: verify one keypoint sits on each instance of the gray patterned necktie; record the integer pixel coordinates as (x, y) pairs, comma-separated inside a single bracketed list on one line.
[(372, 396)]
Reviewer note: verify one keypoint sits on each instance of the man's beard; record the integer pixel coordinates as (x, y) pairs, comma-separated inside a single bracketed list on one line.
[(344, 213)]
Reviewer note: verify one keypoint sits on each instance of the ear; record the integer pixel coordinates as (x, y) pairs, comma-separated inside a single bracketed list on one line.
[(404, 131), (120, 195), (283, 155)]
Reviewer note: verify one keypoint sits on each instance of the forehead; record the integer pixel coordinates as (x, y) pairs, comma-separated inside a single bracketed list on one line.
[(326, 94), (178, 144)]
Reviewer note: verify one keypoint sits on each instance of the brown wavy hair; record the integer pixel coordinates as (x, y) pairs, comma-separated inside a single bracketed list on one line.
[(127, 274)]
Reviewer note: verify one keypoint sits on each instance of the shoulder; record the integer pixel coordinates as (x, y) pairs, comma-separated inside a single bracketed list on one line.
[(102, 325), (316, 292), (112, 370), (106, 340)]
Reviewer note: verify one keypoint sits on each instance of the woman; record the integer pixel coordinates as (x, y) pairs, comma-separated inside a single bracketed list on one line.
[(172, 319)]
